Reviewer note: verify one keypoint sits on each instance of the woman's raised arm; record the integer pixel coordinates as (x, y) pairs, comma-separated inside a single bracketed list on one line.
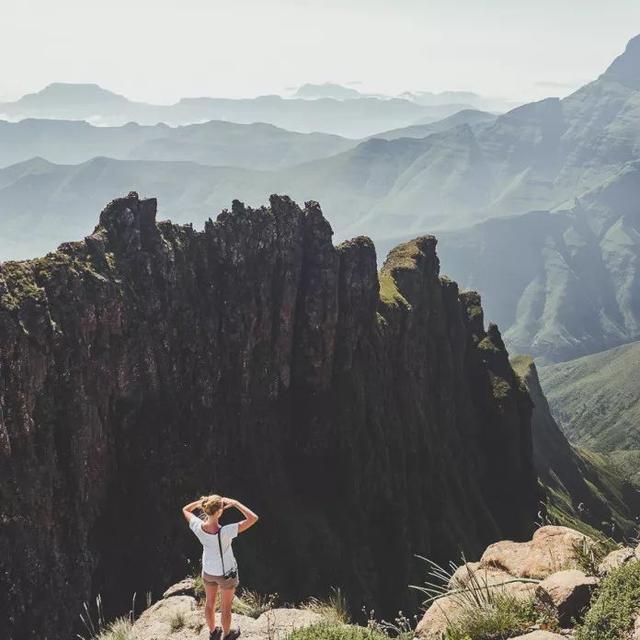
[(250, 518), (187, 510)]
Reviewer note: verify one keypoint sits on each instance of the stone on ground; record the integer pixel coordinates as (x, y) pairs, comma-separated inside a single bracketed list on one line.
[(569, 592), (616, 559)]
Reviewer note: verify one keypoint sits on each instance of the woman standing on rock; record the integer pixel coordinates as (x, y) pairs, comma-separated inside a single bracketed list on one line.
[(219, 567)]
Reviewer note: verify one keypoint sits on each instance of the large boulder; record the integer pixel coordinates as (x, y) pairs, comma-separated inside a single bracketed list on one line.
[(551, 549), (616, 559), (568, 592)]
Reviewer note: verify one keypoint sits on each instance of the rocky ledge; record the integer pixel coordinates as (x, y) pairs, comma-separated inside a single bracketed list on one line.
[(181, 617)]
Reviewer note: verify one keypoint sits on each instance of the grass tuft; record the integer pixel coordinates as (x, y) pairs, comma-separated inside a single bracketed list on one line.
[(253, 604), (334, 609), (119, 629), (177, 621)]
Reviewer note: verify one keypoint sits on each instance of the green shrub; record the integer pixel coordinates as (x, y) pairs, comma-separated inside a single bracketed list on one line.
[(505, 617), (328, 631), (616, 603)]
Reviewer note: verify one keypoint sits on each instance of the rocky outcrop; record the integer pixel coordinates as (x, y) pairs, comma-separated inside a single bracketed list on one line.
[(366, 418), (541, 570)]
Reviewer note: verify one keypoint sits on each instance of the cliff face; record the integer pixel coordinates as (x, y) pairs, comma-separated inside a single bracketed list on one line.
[(365, 418)]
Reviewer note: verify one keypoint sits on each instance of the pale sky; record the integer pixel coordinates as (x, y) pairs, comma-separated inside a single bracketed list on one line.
[(161, 50)]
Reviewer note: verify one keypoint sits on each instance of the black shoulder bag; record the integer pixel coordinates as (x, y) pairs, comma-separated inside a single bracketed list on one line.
[(233, 573)]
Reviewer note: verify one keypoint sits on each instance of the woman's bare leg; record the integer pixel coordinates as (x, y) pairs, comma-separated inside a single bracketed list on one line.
[(227, 601), (210, 606)]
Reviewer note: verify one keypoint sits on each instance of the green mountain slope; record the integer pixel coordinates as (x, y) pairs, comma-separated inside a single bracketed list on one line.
[(596, 400), (584, 489)]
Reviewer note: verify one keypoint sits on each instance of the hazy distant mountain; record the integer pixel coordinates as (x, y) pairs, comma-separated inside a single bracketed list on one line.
[(257, 146), (466, 116), (355, 118), (560, 284), (469, 98), (43, 204), (326, 90), (57, 99), (596, 401)]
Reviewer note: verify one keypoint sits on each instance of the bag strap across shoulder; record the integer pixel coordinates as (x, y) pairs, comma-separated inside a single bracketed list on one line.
[(221, 554)]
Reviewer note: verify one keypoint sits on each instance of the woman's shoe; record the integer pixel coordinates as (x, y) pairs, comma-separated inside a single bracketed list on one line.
[(233, 634), (216, 634)]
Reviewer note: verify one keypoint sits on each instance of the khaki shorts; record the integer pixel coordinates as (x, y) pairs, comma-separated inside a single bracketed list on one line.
[(222, 582)]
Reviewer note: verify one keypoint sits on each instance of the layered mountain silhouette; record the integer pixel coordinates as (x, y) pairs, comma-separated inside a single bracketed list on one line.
[(537, 208), (253, 146), (361, 117)]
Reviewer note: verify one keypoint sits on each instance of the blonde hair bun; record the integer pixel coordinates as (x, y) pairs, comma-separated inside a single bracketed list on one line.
[(211, 504)]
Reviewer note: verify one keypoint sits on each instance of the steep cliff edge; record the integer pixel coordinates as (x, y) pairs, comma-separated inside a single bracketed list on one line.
[(365, 418)]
